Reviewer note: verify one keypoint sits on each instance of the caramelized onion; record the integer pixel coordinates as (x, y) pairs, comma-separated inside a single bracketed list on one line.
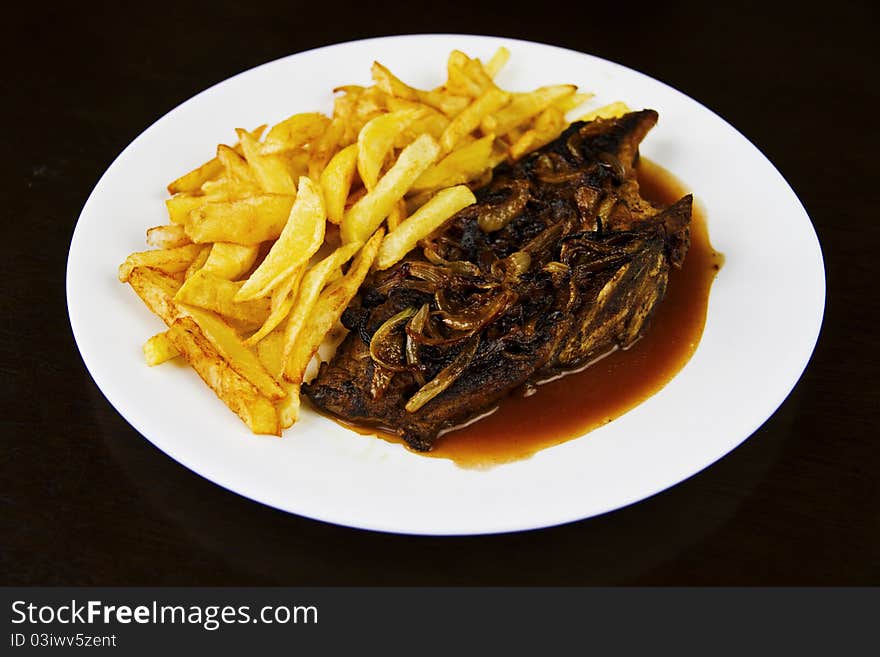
[(384, 349), (547, 171), (613, 163), (445, 377), (512, 267), (476, 317), (460, 267), (430, 273), (518, 263), (542, 240), (498, 216)]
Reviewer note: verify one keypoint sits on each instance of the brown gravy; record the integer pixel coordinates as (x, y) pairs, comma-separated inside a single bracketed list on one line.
[(576, 403)]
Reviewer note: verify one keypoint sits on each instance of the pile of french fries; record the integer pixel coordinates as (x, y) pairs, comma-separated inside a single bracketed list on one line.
[(251, 274)]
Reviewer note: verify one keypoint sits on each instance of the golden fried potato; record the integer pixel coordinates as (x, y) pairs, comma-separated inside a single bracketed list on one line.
[(336, 180), (309, 290), (159, 349), (270, 351), (230, 261), (300, 240), (248, 221), (210, 292), (547, 126), (239, 394), (497, 61), (449, 104), (375, 141), (235, 166), (288, 408), (525, 106), (179, 206), (282, 301), (568, 103), (198, 262), (369, 212), (227, 343), (397, 214), (192, 181), (156, 289), (469, 119), (327, 310), (294, 132), (326, 146), (460, 166), (424, 221), (167, 260), (458, 81), (269, 170), (167, 237), (610, 111)]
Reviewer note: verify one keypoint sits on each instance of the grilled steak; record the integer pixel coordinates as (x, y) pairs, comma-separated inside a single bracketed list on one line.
[(559, 261)]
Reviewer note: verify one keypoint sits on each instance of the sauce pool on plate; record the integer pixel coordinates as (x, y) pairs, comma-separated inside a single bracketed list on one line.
[(573, 404)]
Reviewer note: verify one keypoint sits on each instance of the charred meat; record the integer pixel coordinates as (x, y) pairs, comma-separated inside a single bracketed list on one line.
[(559, 261)]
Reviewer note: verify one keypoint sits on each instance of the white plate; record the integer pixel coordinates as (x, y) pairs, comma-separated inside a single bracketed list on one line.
[(764, 314)]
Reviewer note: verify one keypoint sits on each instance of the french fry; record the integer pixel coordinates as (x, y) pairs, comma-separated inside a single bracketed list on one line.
[(300, 240), (424, 221), (227, 343), (159, 349), (248, 221), (181, 205), (429, 121), (239, 394), (461, 165), (270, 351), (156, 289), (238, 174), (397, 215), (568, 103), (365, 216), (296, 162), (230, 261), (375, 141), (198, 262), (449, 104), (477, 72), (167, 260), (310, 288), (328, 309), (167, 237), (282, 301), (547, 126), (210, 292), (268, 170), (325, 147), (610, 111), (469, 119), (525, 106), (192, 181), (294, 132), (497, 61), (288, 408), (458, 81), (336, 180)]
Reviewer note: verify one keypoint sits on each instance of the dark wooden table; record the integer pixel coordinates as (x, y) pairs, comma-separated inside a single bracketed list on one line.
[(85, 500)]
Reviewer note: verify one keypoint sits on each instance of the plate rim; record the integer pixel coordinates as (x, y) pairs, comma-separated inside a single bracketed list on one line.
[(814, 335)]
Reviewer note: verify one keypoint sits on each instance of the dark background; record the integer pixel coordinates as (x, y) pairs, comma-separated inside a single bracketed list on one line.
[(85, 500)]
